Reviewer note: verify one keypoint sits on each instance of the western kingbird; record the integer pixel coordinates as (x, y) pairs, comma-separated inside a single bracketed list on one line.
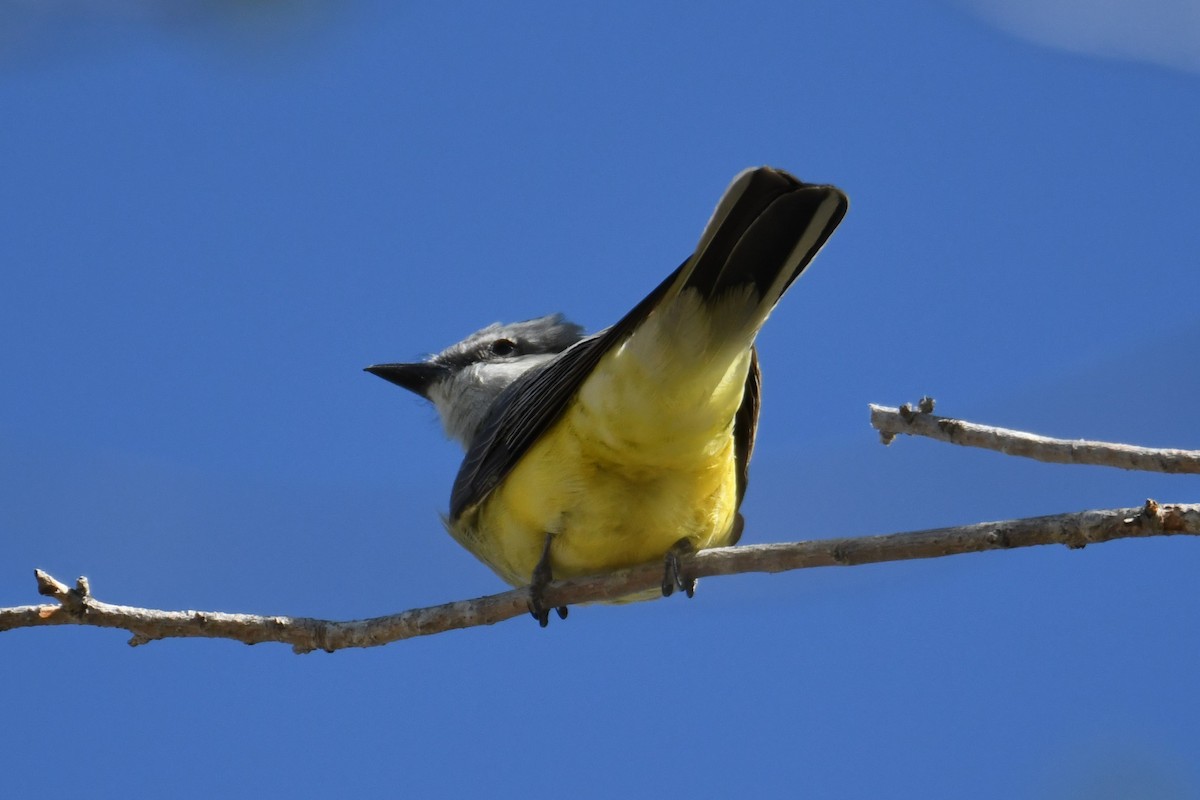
[(591, 453)]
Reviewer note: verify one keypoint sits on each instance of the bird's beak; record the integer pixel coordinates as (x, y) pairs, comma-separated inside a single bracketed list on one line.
[(418, 377)]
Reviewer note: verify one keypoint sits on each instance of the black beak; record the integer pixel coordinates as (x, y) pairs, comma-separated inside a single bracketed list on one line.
[(414, 377)]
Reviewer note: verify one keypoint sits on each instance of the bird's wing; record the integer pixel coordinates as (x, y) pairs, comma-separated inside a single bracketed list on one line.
[(745, 426), (534, 402)]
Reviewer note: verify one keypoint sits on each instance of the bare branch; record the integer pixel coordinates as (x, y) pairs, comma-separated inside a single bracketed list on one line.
[(76, 606), (921, 422)]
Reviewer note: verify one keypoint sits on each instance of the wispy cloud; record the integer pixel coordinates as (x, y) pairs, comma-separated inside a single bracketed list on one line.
[(47, 31), (1163, 32)]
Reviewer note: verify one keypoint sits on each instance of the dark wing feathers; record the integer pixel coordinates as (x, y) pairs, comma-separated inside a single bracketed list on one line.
[(534, 402), (745, 426), (745, 423)]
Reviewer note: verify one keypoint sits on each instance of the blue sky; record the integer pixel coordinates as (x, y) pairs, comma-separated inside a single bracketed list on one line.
[(213, 218)]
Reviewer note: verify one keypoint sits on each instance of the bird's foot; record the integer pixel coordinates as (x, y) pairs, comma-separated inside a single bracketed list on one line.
[(674, 575), (542, 575)]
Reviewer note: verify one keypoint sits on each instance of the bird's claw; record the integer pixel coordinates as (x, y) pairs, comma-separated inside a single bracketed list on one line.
[(541, 578), (674, 575)]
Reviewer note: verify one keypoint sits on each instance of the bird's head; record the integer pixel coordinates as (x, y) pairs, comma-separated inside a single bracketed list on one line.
[(464, 380)]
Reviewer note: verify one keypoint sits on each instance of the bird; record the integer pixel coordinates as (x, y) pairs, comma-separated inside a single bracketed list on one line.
[(589, 453)]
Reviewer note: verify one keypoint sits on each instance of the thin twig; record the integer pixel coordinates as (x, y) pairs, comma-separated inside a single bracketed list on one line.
[(76, 606), (918, 422)]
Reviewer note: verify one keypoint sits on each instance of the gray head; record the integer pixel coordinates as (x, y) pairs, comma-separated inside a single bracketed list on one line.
[(465, 379)]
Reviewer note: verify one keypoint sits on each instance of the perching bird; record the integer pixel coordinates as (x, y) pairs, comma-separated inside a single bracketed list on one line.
[(585, 454)]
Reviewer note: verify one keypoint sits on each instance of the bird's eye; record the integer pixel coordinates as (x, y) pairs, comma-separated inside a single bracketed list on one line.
[(503, 347)]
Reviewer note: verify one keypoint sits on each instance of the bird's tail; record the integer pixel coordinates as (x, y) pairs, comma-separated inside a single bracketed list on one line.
[(766, 229)]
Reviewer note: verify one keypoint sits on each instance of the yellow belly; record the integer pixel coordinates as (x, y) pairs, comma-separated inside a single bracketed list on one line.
[(602, 515)]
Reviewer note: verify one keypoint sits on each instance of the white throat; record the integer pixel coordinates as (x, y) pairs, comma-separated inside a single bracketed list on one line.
[(464, 399)]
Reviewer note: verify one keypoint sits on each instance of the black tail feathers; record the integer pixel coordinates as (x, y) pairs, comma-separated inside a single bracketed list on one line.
[(767, 224)]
